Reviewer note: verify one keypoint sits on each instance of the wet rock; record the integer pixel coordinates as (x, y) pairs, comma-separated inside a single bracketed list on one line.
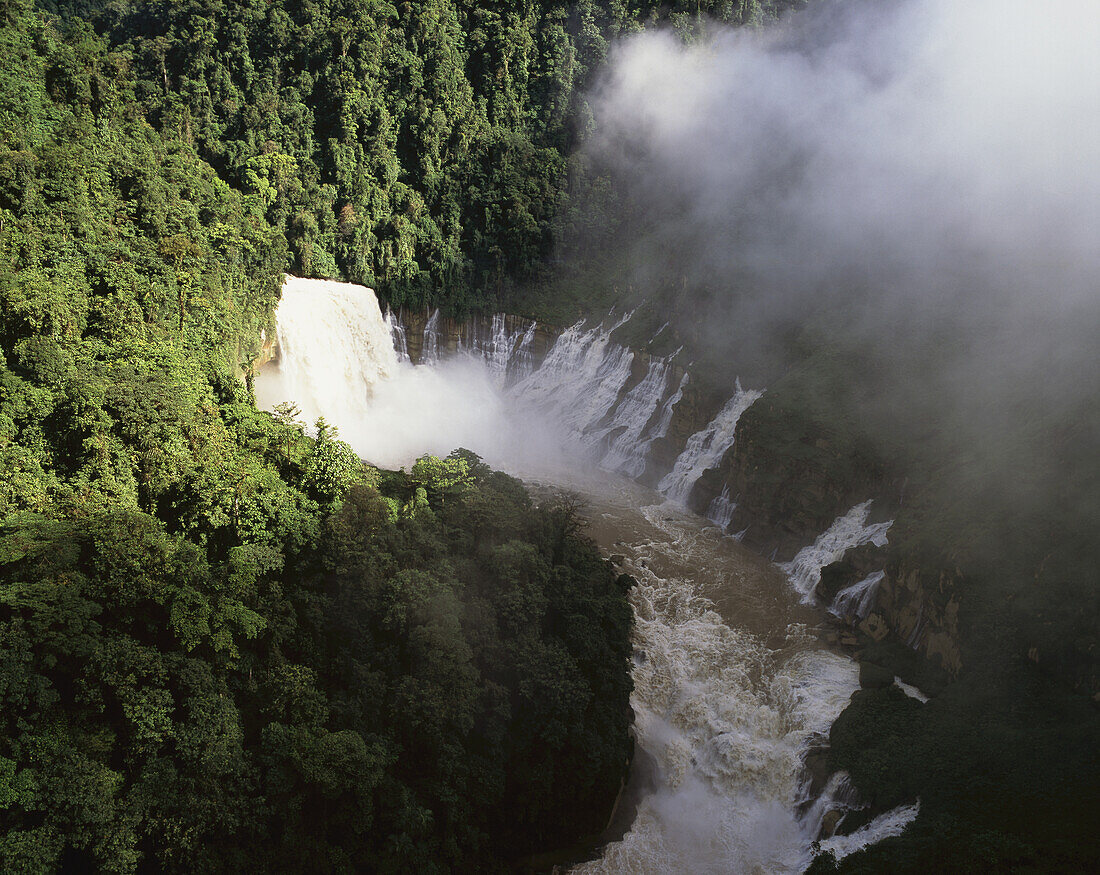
[(874, 626), (874, 677), (829, 822)]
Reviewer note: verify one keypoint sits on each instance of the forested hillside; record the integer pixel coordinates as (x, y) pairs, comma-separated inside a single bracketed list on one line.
[(421, 148), (224, 645)]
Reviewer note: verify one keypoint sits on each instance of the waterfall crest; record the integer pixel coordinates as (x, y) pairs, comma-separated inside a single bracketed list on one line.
[(335, 350)]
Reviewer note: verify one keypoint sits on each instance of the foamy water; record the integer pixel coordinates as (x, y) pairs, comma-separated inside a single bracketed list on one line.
[(727, 710)]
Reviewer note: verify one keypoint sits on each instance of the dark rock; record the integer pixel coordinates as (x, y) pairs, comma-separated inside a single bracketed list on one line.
[(829, 823), (874, 677)]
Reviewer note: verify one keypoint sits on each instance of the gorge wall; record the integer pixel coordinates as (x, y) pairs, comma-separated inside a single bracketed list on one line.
[(779, 485)]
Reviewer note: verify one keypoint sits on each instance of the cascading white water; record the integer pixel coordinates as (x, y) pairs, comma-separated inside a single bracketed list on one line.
[(705, 448), (856, 601), (660, 430), (580, 380), (626, 453), (720, 511), (892, 823), (911, 691), (429, 352), (335, 350), (727, 713), (506, 353), (727, 719), (523, 360), (850, 530), (397, 333), (339, 357)]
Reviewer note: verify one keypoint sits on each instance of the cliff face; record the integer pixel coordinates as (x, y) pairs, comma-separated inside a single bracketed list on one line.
[(454, 334), (791, 475), (800, 461), (794, 468)]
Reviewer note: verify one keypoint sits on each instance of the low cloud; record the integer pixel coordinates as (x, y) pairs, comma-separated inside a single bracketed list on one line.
[(921, 176)]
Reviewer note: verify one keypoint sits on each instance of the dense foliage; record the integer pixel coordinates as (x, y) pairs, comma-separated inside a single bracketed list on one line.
[(419, 147), (411, 680), (225, 645)]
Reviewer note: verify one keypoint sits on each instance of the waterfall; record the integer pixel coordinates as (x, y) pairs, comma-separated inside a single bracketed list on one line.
[(892, 823), (705, 448), (839, 795), (667, 409), (911, 691), (397, 332), (429, 352), (857, 600), (340, 357), (720, 511), (627, 452), (506, 353), (335, 350), (523, 360), (580, 380), (850, 530), (727, 718)]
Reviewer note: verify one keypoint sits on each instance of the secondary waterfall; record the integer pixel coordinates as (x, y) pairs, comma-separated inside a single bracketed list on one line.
[(507, 353), (580, 380), (856, 601), (850, 530), (720, 511), (397, 332), (705, 448), (429, 354), (726, 711), (626, 453)]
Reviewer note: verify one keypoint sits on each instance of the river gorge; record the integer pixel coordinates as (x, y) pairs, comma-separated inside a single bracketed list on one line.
[(736, 681)]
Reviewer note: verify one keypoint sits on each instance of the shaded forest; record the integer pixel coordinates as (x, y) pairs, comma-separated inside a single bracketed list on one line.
[(226, 645)]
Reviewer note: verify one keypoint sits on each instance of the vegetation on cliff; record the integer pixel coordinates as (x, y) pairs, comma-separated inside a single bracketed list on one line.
[(224, 645)]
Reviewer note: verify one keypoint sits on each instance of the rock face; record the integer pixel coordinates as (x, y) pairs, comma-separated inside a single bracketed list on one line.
[(789, 474), (453, 334)]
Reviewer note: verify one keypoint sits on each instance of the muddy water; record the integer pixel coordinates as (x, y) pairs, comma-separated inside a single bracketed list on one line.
[(732, 687)]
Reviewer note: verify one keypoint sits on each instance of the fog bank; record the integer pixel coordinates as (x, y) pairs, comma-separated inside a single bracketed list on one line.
[(920, 180)]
